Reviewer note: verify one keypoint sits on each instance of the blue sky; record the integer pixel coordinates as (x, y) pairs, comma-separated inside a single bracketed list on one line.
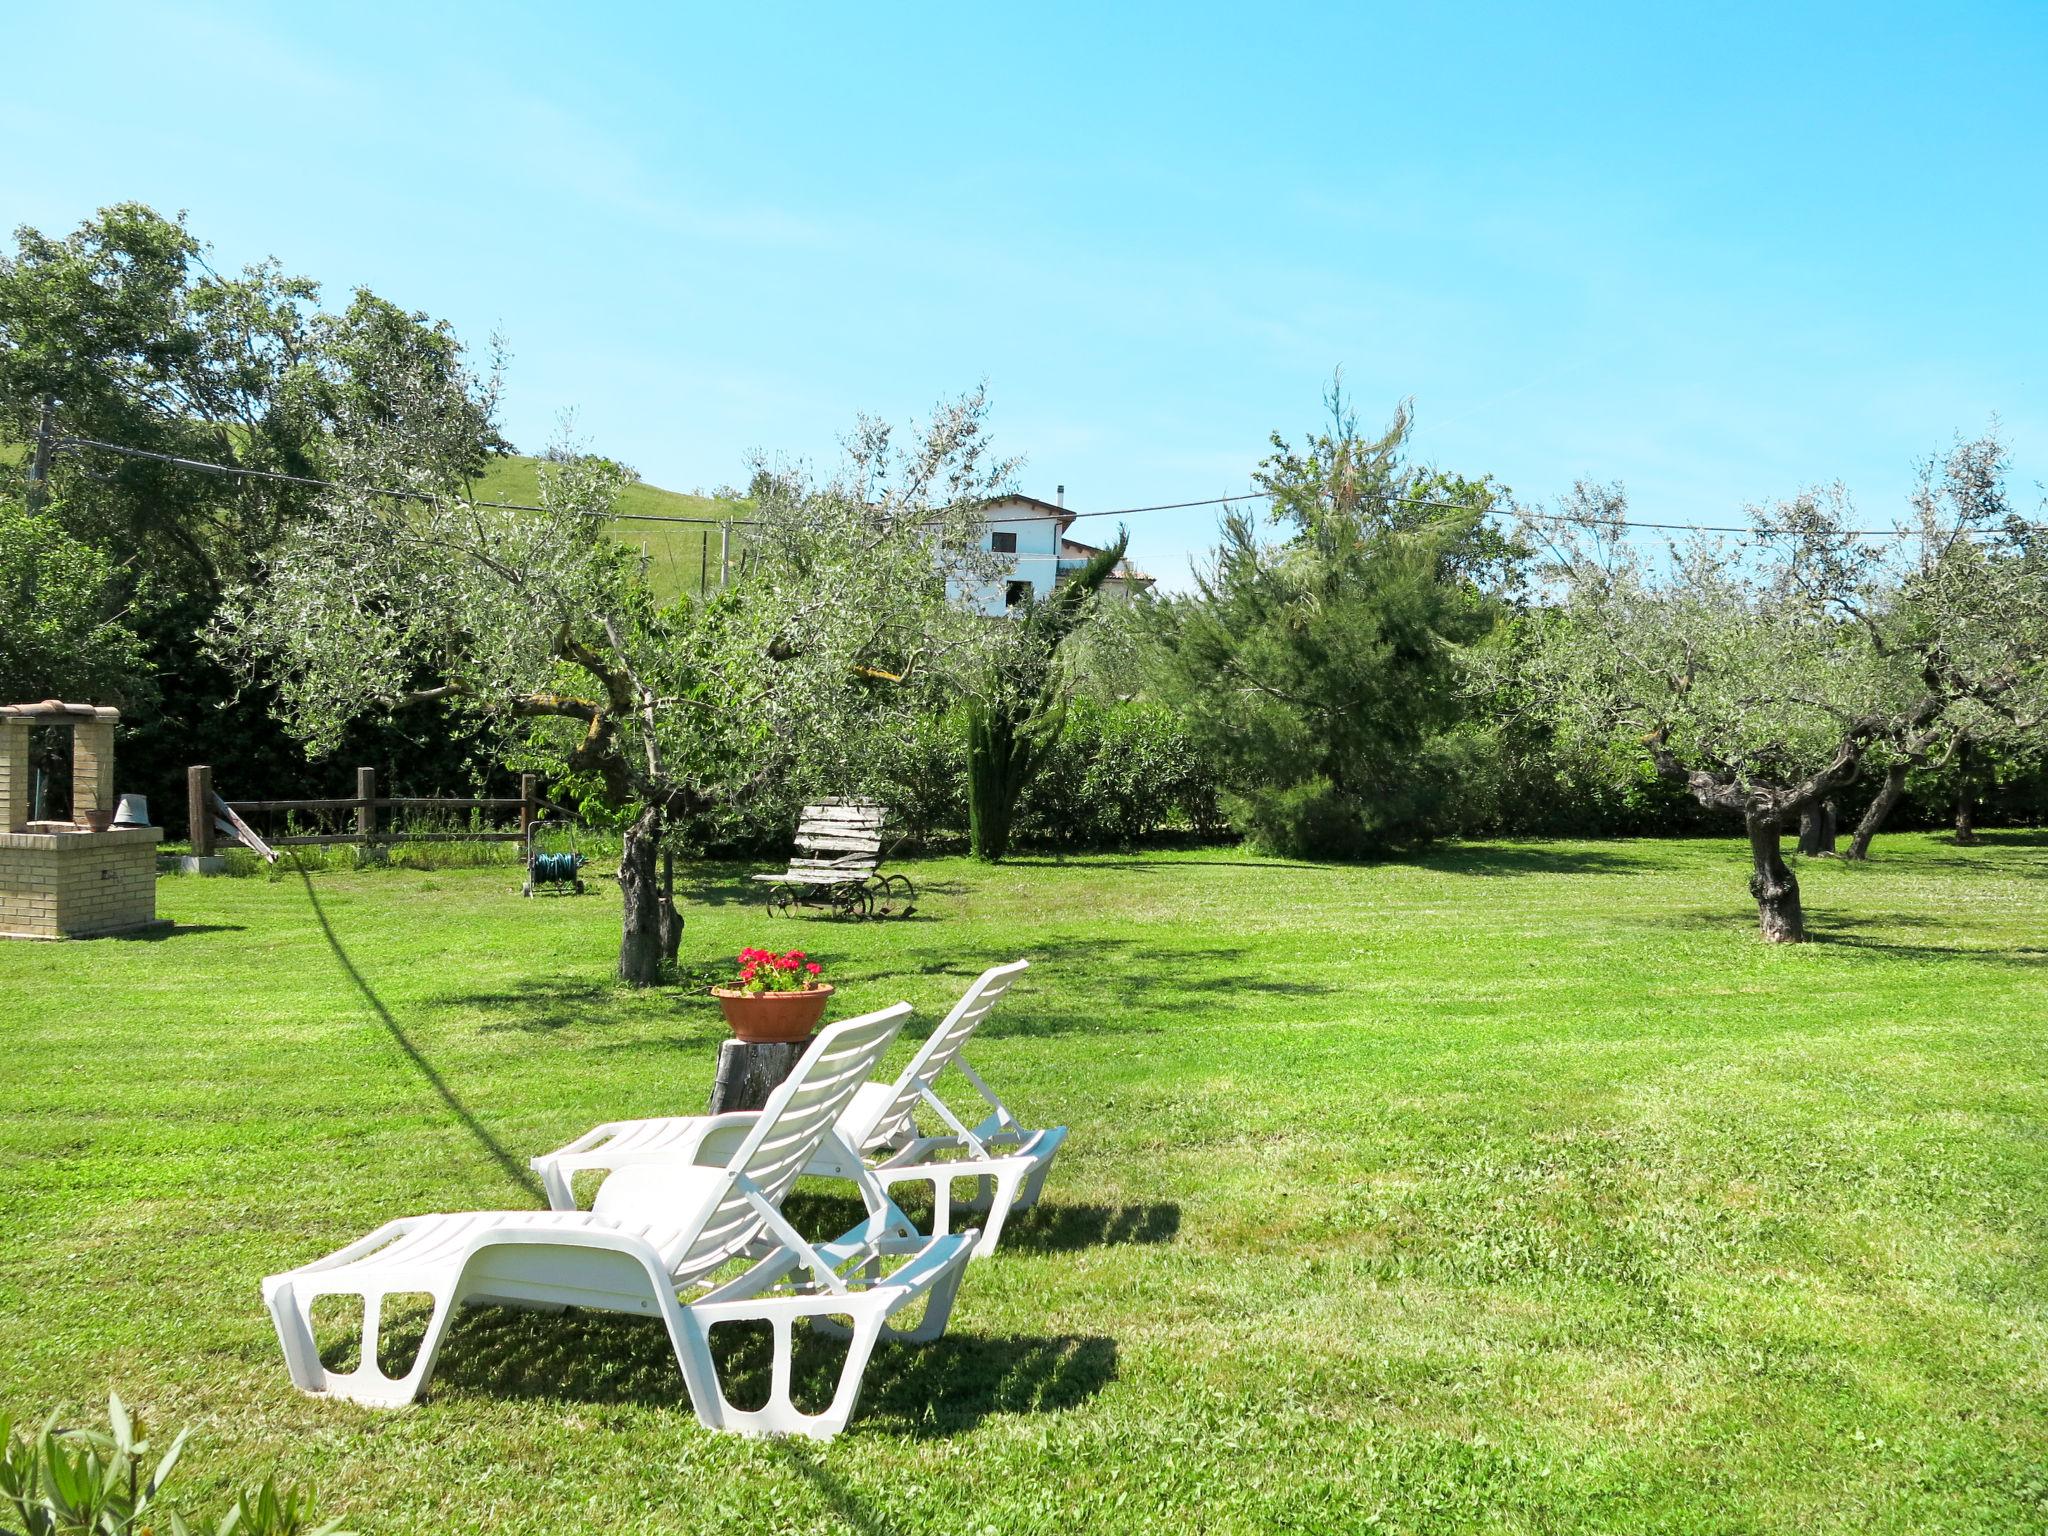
[(1717, 253)]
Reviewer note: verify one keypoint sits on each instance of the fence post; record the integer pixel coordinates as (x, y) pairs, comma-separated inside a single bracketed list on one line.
[(529, 793), (199, 809), (366, 804)]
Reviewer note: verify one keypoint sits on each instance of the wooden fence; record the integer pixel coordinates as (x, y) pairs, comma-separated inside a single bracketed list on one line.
[(365, 803)]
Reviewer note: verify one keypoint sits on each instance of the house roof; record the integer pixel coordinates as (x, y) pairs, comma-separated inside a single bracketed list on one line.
[(1043, 508), (1074, 549)]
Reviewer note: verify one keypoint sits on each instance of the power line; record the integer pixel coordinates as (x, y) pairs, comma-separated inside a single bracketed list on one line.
[(1540, 517), (1166, 506)]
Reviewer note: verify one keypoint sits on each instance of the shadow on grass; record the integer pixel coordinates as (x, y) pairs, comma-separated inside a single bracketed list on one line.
[(1832, 930), (922, 1390), (543, 1006), (1072, 1228), (536, 1007), (1468, 859), (1105, 984), (731, 884), (1872, 932), (158, 933), (513, 1169), (1045, 1228), (1496, 859), (2013, 837)]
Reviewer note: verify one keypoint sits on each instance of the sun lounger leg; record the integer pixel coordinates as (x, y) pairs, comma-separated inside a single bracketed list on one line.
[(294, 1322), (779, 1415), (555, 1180), (1007, 1174), (292, 1312)]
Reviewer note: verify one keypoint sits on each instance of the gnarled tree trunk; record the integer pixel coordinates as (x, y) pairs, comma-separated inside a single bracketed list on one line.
[(1817, 830), (1966, 797), (653, 928), (1773, 884), (670, 924), (1888, 795)]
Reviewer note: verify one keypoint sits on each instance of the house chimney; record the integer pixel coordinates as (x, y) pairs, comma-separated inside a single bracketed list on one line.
[(1061, 492)]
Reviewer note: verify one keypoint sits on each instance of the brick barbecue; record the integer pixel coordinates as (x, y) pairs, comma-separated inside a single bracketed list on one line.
[(71, 879)]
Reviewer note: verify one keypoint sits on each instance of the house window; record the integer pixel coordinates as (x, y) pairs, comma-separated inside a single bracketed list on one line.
[(1015, 592), (1003, 543)]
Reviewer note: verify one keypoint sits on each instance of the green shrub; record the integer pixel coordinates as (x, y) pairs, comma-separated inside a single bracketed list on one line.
[(1117, 774), (921, 775), (79, 1482)]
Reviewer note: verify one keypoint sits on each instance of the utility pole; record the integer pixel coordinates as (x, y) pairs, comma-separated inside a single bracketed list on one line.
[(46, 450)]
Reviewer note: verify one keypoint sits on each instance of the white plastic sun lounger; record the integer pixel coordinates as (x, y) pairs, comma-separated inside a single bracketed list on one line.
[(877, 1133), (652, 1244)]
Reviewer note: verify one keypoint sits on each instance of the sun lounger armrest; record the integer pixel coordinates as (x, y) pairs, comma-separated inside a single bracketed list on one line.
[(714, 1138), (368, 1243), (583, 1143)]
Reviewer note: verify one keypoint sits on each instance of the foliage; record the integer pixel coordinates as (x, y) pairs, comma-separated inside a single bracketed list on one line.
[(1116, 774), (1017, 693), (537, 627), (1412, 1190), (63, 633), (1317, 671), (132, 336), (1761, 674), (763, 970), (139, 341), (79, 1482), (919, 770)]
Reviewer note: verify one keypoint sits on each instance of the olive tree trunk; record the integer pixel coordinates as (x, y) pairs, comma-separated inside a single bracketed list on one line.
[(653, 928), (1888, 795), (1817, 830), (1966, 797), (1775, 887)]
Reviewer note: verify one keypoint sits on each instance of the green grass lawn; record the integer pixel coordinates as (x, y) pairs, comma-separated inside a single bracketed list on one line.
[(1516, 1188), (681, 557)]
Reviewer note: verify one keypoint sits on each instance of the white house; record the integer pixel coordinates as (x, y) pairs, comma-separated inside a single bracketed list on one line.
[(1033, 534)]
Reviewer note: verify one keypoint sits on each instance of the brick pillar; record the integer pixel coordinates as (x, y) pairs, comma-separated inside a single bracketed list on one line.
[(14, 807), (92, 770)]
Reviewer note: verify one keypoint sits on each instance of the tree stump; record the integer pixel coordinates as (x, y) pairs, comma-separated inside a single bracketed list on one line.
[(748, 1073)]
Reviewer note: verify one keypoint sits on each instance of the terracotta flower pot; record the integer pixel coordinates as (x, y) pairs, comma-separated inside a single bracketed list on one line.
[(762, 1018)]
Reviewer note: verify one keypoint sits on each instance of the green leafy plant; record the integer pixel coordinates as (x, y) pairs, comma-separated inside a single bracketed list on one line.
[(80, 1482)]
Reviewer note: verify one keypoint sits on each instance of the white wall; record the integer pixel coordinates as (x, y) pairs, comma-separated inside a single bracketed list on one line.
[(1037, 559)]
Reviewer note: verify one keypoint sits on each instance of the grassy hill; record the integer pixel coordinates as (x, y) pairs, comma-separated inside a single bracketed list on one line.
[(682, 556)]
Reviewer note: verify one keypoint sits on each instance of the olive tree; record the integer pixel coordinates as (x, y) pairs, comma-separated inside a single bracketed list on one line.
[(1762, 673), (540, 626), (1968, 576)]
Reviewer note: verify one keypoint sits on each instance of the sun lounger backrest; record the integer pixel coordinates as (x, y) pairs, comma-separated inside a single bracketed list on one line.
[(840, 834), (790, 1127), (946, 1043)]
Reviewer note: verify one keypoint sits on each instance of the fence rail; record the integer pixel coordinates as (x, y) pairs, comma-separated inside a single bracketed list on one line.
[(383, 802), (365, 803)]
